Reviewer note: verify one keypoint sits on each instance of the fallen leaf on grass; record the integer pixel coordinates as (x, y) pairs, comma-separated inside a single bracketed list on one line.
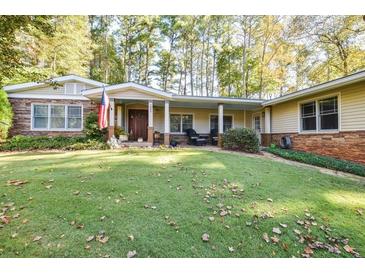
[(16, 182), (283, 225), (359, 211), (276, 230), (102, 218), (80, 226), (77, 192), (90, 238), (308, 250), (205, 237), (269, 200), (230, 249), (87, 247), (274, 239), (131, 238), (103, 239), (131, 254), (223, 213), (297, 231), (285, 246), (5, 219), (266, 237), (37, 238), (48, 186)]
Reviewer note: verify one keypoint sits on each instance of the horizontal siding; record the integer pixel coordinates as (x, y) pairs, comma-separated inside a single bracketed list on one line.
[(49, 90), (353, 108), (134, 94), (284, 117), (46, 90)]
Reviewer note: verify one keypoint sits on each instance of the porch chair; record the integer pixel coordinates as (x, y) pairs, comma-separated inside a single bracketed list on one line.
[(194, 138), (214, 136)]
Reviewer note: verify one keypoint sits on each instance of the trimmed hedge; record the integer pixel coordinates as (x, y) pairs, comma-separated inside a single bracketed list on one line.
[(318, 160), (242, 139), (20, 142)]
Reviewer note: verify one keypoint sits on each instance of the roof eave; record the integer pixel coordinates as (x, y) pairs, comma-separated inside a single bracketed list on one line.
[(61, 79), (351, 79)]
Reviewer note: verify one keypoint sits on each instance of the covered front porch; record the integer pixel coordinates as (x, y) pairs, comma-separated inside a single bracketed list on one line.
[(145, 113)]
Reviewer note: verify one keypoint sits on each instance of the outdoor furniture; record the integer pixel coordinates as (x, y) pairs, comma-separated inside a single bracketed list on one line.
[(156, 138), (214, 136), (195, 139)]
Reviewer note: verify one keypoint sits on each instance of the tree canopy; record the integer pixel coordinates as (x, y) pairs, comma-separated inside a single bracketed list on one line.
[(241, 56)]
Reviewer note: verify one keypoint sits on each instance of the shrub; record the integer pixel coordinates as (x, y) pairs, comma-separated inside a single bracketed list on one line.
[(92, 130), (119, 131), (89, 144), (18, 143), (6, 115), (242, 139), (318, 160)]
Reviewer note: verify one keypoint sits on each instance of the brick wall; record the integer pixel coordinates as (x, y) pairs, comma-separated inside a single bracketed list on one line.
[(22, 116), (347, 145)]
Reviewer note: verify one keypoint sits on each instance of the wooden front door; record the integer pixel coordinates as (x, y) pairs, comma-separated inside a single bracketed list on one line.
[(137, 124)]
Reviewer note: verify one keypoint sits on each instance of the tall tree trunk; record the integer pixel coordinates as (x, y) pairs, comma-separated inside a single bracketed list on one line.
[(213, 70), (191, 70)]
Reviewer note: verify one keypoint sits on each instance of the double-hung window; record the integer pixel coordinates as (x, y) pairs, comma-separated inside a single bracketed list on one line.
[(320, 115), (56, 117), (328, 114), (309, 119), (227, 122), (40, 116), (180, 122)]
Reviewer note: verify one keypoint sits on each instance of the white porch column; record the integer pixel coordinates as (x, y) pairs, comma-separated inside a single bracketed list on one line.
[(119, 116), (266, 138), (150, 113), (267, 120), (220, 124), (150, 122), (111, 118), (167, 123)]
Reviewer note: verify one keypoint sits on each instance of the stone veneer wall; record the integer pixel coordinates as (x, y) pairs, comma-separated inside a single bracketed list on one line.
[(346, 145), (22, 116)]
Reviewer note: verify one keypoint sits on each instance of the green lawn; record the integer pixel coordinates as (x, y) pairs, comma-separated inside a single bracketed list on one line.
[(164, 199)]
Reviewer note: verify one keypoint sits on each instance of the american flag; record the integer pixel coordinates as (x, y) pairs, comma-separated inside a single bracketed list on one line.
[(103, 111)]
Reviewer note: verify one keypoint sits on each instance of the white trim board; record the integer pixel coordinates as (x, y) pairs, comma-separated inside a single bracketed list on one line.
[(48, 97), (347, 80), (61, 79)]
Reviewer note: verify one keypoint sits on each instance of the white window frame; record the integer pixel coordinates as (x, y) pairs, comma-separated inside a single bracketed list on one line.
[(316, 100), (181, 113), (256, 114), (83, 86), (49, 118), (224, 114)]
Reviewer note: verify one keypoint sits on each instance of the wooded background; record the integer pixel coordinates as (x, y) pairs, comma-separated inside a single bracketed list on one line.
[(241, 56)]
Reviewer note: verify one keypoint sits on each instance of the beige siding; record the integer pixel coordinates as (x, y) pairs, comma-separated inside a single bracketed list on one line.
[(248, 119), (49, 90), (284, 117), (134, 94), (353, 108)]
